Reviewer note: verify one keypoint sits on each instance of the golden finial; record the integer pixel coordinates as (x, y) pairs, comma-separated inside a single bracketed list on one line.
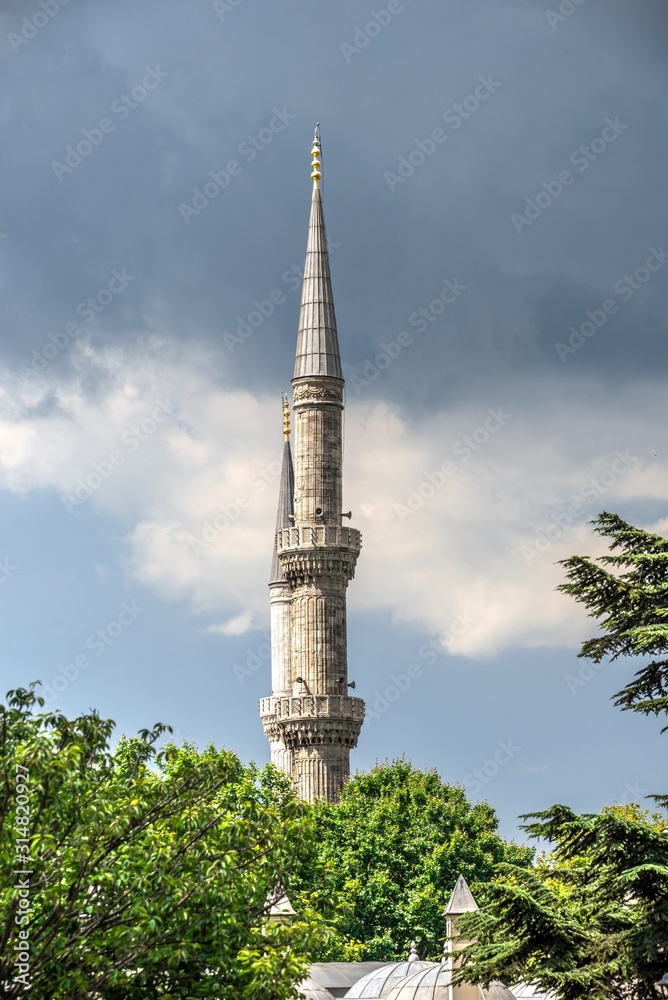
[(286, 416), (316, 162)]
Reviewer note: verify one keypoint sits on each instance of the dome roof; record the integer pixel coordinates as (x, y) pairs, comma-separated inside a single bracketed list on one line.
[(310, 990), (434, 984), (427, 984), (496, 991), (376, 985)]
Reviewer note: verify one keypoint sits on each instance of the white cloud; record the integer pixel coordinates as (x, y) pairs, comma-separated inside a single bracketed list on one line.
[(191, 467), (234, 626)]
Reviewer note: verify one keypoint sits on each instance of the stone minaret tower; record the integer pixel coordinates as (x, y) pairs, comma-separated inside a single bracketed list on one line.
[(279, 599), (310, 719)]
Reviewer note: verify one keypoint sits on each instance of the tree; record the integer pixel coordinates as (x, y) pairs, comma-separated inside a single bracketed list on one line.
[(141, 873), (590, 920), (631, 605), (390, 852)]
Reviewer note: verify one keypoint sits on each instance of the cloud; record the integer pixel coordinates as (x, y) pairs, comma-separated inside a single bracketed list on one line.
[(234, 626), (464, 511)]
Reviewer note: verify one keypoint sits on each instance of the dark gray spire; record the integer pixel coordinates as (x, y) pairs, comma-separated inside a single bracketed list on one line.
[(317, 340), (286, 493)]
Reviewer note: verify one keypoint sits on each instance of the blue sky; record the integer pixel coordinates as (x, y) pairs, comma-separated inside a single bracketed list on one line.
[(494, 180)]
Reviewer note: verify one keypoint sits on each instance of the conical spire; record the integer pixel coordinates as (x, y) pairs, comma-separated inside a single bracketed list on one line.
[(317, 340), (461, 900), (286, 492)]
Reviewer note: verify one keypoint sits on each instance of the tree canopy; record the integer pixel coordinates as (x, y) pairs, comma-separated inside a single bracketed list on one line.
[(387, 856), (628, 595), (141, 873), (590, 920)]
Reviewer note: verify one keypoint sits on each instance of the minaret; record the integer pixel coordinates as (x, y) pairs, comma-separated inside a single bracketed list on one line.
[(279, 598), (314, 722)]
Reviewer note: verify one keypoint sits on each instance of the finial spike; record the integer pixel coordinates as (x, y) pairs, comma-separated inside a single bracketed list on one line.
[(413, 957), (286, 416), (316, 157)]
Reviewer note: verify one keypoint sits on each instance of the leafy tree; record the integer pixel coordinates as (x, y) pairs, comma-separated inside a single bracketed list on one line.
[(589, 920), (387, 857), (148, 870), (630, 601)]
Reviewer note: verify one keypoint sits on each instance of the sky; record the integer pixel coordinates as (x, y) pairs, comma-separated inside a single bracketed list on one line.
[(493, 186)]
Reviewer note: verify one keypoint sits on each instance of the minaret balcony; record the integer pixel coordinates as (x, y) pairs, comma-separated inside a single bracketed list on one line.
[(309, 551), (308, 720), (316, 536)]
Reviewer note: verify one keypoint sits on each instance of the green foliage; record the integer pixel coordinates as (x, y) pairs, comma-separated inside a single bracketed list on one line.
[(387, 857), (149, 870), (590, 920), (630, 601)]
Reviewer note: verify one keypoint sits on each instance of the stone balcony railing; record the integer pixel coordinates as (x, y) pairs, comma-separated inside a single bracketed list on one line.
[(307, 552), (316, 536), (310, 720), (312, 706)]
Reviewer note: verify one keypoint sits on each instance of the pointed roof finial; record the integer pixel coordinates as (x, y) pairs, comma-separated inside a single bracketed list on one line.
[(413, 957), (316, 154), (286, 417), (461, 900)]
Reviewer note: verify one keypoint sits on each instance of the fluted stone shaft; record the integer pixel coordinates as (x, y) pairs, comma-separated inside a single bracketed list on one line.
[(281, 758), (319, 653), (280, 597), (320, 772), (318, 406)]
